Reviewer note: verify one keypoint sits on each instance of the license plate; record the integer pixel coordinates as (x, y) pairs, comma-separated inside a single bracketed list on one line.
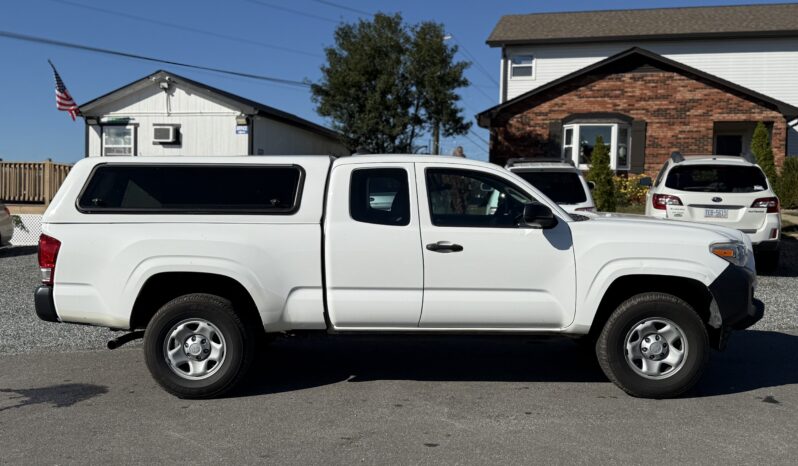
[(716, 213)]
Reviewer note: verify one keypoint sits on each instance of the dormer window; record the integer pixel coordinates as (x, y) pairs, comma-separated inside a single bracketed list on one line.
[(522, 66)]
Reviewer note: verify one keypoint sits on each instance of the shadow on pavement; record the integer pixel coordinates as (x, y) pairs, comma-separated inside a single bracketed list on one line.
[(59, 396), (754, 359), (788, 262), (14, 251)]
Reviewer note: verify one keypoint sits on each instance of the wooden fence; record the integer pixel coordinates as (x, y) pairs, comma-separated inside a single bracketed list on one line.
[(31, 182)]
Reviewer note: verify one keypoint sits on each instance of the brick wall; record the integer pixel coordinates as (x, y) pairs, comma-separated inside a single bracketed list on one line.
[(680, 112)]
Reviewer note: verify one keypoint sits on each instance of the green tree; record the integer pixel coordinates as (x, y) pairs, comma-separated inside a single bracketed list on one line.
[(436, 76), (364, 89), (763, 153), (385, 84), (600, 173)]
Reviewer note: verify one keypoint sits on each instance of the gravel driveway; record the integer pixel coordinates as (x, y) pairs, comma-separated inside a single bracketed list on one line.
[(22, 332)]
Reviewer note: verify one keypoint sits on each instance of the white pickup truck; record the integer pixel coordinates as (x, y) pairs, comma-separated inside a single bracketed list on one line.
[(210, 255)]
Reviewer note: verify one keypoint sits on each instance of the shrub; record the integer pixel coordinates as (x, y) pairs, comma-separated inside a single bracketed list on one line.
[(787, 187), (628, 190), (601, 174), (763, 153)]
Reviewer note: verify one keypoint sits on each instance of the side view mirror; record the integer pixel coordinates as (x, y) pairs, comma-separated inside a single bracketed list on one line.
[(591, 185), (645, 181), (539, 216)]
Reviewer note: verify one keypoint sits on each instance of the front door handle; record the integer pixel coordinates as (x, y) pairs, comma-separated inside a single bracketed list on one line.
[(444, 246)]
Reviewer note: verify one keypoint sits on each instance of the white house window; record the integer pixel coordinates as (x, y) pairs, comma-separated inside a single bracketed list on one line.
[(580, 139), (522, 66), (118, 140)]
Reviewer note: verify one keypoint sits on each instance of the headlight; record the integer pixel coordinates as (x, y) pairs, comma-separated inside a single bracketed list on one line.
[(736, 253)]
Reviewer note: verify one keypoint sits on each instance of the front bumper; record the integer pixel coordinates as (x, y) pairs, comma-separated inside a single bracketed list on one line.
[(733, 304), (45, 305)]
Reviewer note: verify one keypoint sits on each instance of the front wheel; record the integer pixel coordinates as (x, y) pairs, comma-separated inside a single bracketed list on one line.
[(653, 346), (196, 346)]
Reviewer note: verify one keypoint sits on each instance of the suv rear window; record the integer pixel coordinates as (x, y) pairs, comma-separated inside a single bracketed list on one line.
[(716, 179), (187, 189), (560, 187)]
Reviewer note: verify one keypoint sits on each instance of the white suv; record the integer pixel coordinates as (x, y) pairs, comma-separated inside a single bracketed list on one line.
[(560, 181), (724, 190)]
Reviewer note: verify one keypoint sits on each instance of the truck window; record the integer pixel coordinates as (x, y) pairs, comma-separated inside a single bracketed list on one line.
[(192, 189), (380, 195), (465, 198), (561, 187)]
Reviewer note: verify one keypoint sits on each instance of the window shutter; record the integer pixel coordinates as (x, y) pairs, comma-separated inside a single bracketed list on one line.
[(554, 143), (638, 155)]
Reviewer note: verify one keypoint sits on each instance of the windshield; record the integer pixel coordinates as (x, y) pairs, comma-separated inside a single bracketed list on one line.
[(560, 187), (717, 178)]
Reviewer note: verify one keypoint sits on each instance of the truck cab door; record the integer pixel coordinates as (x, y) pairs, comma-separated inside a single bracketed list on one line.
[(483, 268), (372, 247)]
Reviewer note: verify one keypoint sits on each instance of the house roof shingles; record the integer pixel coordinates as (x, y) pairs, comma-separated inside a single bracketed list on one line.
[(660, 23)]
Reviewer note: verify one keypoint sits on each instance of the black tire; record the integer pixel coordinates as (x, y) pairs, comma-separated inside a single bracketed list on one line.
[(611, 346), (767, 261), (238, 345)]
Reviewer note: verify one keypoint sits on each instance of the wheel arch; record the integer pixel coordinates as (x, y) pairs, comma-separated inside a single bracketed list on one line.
[(162, 287), (692, 291)]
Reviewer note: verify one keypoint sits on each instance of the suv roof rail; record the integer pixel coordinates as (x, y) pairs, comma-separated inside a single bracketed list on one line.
[(519, 160), (677, 156)]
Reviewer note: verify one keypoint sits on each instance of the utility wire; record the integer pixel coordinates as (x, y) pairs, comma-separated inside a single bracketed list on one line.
[(474, 60), (473, 133), (70, 45), (293, 11), (343, 7), (185, 28)]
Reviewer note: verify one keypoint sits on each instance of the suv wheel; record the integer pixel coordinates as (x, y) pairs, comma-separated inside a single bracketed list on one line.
[(654, 346), (196, 346)]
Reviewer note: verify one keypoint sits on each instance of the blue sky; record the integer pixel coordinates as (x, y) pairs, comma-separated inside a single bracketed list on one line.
[(31, 129)]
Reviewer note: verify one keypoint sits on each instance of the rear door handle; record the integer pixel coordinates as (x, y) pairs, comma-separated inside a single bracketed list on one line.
[(444, 246)]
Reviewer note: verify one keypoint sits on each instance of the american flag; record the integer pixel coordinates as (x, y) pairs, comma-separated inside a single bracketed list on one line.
[(63, 101)]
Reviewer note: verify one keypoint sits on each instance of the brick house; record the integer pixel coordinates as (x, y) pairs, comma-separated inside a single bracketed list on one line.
[(644, 99)]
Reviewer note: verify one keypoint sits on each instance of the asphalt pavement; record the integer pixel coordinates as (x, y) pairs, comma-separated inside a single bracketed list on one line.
[(409, 400)]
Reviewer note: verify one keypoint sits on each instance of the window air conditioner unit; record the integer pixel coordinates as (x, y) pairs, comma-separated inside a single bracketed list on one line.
[(164, 134)]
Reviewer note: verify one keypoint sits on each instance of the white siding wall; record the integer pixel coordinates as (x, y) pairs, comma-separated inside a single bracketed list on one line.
[(206, 127), (768, 66), (273, 137)]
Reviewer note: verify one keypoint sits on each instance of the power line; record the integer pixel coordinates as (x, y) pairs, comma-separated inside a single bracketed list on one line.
[(474, 60), (343, 7), (473, 133), (293, 11), (185, 28), (69, 45)]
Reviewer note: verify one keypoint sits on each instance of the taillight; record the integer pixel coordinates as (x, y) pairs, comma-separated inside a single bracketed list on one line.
[(662, 201), (772, 204), (48, 254)]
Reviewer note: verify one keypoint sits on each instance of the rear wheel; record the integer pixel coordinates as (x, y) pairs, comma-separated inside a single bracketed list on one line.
[(653, 346), (196, 346)]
